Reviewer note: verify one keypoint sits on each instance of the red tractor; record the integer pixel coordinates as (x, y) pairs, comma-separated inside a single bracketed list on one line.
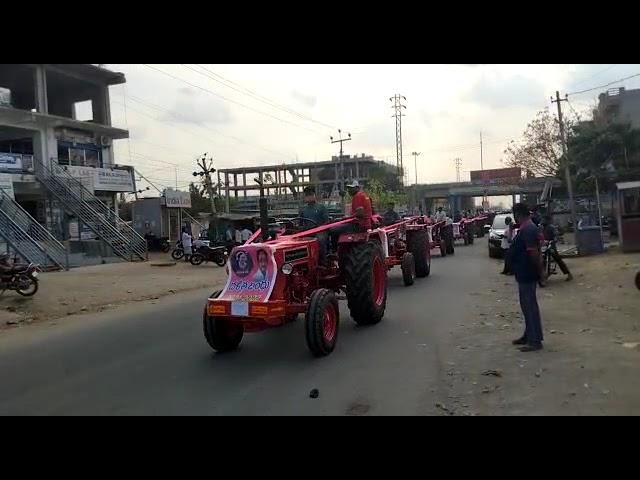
[(283, 275), (408, 245), (464, 230), (441, 236)]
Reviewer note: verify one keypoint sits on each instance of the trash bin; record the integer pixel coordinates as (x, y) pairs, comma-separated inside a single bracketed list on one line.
[(589, 240)]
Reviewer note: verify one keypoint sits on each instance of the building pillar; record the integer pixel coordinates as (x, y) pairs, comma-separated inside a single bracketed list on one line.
[(244, 183), (40, 79), (235, 184)]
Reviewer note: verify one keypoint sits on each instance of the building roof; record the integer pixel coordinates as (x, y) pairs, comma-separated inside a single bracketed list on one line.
[(90, 72)]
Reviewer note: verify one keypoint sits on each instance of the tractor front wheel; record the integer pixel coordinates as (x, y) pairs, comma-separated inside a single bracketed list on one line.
[(321, 322), (221, 335), (408, 269), (365, 276)]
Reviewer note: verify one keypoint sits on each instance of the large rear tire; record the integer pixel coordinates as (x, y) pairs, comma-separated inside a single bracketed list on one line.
[(451, 249), (366, 280), (408, 269), (417, 244), (443, 248), (321, 322), (221, 335), (638, 280)]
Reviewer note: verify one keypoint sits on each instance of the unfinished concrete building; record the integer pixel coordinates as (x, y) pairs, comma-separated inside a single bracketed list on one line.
[(283, 184)]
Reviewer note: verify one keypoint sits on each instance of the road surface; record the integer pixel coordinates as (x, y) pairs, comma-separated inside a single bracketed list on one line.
[(151, 358)]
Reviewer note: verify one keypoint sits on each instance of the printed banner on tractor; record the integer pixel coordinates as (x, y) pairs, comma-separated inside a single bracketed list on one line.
[(252, 274)]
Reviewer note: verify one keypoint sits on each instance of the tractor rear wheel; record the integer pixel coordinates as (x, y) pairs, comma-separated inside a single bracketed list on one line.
[(443, 248), (321, 322), (221, 335), (365, 276), (418, 244), (408, 269), (451, 249)]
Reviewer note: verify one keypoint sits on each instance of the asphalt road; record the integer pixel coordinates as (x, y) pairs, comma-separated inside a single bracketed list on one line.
[(152, 359)]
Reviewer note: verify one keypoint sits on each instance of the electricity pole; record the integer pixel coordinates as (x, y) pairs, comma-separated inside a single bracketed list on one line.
[(341, 140), (567, 172), (206, 169), (458, 162), (415, 162), (398, 106)]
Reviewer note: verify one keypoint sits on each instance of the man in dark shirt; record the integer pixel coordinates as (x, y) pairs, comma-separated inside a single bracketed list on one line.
[(527, 266), (318, 214), (550, 236), (390, 216)]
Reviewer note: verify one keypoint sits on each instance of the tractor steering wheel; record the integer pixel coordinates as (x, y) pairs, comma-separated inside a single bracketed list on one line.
[(297, 224)]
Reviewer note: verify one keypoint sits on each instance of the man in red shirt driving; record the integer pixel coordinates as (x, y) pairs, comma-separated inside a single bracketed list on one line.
[(361, 206)]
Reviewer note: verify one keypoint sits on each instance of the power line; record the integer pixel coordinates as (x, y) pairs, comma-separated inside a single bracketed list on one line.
[(245, 91), (226, 99), (595, 75), (200, 125), (606, 85)]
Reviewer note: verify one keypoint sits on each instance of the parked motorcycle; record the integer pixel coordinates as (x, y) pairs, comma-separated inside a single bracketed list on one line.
[(19, 278), (178, 251), (218, 255)]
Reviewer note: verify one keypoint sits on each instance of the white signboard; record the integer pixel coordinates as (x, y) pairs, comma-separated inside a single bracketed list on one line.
[(10, 161), (113, 180), (6, 184), (177, 199), (103, 179)]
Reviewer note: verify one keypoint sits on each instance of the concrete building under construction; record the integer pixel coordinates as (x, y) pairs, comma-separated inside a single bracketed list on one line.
[(283, 184)]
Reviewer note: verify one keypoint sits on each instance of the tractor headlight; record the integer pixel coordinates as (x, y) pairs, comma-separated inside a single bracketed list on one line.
[(287, 268)]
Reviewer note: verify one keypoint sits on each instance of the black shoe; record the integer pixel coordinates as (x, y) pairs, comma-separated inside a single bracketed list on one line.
[(531, 348), (520, 341)]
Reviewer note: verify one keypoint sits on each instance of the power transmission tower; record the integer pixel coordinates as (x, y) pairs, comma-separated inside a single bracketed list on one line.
[(458, 162), (398, 106), (567, 172)]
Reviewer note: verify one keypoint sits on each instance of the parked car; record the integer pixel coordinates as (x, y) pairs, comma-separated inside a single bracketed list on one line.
[(496, 233)]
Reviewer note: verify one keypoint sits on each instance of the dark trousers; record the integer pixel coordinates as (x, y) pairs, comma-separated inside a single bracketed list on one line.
[(507, 260), (531, 312), (559, 261)]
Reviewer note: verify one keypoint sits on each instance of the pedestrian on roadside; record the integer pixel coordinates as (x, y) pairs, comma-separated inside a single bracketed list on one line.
[(186, 244), (549, 233), (526, 263), (505, 244), (245, 234)]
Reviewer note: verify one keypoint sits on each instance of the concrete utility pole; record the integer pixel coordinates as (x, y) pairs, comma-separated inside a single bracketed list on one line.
[(567, 171), (206, 169), (341, 140), (415, 163)]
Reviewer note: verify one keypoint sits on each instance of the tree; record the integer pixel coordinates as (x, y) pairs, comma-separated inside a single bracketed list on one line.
[(609, 152), (381, 196), (199, 203), (540, 150)]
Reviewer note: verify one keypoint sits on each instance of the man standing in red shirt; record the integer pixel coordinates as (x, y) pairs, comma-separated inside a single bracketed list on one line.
[(361, 206)]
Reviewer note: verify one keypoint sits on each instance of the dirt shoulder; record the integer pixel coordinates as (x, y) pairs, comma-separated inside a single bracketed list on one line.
[(96, 288), (592, 346)]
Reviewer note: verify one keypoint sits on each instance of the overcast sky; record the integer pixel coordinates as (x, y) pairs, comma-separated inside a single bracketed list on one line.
[(266, 114)]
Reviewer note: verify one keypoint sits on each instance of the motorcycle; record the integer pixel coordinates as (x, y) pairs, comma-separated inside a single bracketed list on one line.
[(218, 255), (178, 251), (20, 278)]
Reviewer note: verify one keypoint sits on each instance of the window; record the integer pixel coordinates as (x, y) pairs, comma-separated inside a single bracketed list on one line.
[(76, 157), (631, 201), (79, 155)]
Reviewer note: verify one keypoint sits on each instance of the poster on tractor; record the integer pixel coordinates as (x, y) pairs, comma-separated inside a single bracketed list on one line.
[(252, 275)]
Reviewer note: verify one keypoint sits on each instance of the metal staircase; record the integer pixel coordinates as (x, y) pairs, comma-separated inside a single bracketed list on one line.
[(74, 197), (28, 238)]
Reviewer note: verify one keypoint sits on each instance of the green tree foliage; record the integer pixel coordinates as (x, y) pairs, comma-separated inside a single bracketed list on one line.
[(381, 196)]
